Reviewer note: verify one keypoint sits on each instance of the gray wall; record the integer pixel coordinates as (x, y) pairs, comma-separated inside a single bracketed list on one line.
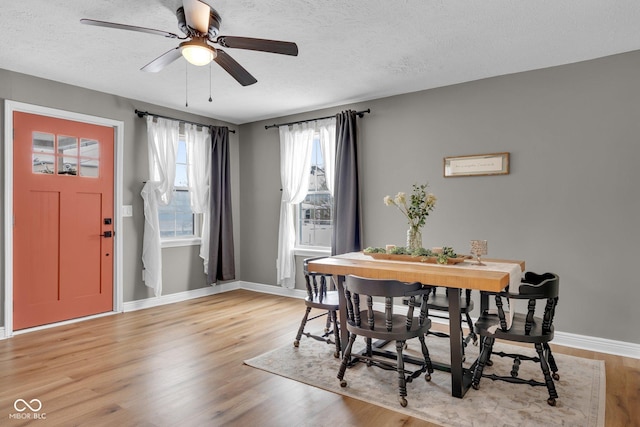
[(182, 268), (570, 204)]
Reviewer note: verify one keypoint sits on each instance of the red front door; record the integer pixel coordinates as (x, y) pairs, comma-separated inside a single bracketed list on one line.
[(63, 214)]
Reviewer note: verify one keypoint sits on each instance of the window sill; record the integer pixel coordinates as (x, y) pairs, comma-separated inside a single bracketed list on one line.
[(309, 252), (176, 243)]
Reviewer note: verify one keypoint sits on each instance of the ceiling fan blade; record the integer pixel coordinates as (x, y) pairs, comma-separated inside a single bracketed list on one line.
[(263, 45), (236, 70), (129, 27), (163, 60), (197, 15)]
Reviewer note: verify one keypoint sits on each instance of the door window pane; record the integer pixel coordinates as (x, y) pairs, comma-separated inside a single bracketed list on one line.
[(67, 155), (43, 153), (89, 157)]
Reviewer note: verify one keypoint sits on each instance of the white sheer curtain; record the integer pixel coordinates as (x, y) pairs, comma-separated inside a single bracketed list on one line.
[(296, 143), (162, 142), (198, 143), (296, 148), (327, 130)]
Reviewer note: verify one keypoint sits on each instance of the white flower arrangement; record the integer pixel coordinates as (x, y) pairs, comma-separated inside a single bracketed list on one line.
[(419, 207)]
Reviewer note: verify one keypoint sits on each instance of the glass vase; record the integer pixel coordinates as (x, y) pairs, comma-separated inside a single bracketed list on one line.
[(414, 238)]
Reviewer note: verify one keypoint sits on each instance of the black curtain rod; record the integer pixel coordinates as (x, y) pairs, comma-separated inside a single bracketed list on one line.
[(359, 113), (145, 113)]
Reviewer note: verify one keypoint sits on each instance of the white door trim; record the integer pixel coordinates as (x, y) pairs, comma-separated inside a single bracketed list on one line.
[(9, 108)]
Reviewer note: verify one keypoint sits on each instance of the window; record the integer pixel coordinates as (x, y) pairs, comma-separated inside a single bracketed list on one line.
[(315, 213), (177, 220)]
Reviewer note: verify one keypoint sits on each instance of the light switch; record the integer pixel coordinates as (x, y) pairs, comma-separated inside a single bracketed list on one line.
[(127, 210)]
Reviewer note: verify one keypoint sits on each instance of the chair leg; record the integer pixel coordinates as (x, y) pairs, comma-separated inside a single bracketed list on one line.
[(369, 350), (296, 343), (485, 351), (472, 333), (345, 360), (552, 362), (402, 382), (489, 362), (327, 325), (427, 359), (463, 343), (553, 394), (336, 333)]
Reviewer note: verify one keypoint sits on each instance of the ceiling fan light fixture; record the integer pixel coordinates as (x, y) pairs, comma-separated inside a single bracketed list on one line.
[(198, 52)]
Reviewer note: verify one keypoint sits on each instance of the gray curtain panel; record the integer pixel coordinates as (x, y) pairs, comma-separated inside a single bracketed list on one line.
[(347, 225), (221, 249)]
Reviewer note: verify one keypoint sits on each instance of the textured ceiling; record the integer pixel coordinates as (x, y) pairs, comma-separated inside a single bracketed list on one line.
[(349, 51)]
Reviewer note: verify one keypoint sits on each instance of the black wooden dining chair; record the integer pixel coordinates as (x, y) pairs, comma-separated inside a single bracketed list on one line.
[(363, 319), (525, 328), (321, 298)]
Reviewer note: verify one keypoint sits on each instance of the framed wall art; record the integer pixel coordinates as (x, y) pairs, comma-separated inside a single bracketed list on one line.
[(479, 164)]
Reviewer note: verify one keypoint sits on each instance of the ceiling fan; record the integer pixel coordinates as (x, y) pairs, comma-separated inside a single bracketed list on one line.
[(200, 23)]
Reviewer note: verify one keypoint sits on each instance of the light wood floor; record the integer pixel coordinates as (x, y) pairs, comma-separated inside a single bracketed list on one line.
[(181, 365)]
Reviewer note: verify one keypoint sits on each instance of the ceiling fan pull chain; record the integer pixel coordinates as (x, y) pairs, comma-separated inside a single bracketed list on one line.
[(186, 84), (210, 82)]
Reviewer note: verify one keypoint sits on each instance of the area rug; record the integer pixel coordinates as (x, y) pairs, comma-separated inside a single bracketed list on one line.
[(581, 387)]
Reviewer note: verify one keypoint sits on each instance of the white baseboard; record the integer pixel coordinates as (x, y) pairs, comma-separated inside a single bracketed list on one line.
[(212, 290), (273, 290), (600, 345), (180, 296)]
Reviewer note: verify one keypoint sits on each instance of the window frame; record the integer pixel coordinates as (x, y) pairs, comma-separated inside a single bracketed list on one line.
[(178, 241), (312, 250)]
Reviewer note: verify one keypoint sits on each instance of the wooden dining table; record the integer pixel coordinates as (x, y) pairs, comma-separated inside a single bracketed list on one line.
[(463, 275)]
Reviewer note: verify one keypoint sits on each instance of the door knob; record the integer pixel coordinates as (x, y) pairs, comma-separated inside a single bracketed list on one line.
[(107, 234)]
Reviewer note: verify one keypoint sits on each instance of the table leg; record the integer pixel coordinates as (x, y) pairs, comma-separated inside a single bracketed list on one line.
[(459, 381), (484, 302)]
